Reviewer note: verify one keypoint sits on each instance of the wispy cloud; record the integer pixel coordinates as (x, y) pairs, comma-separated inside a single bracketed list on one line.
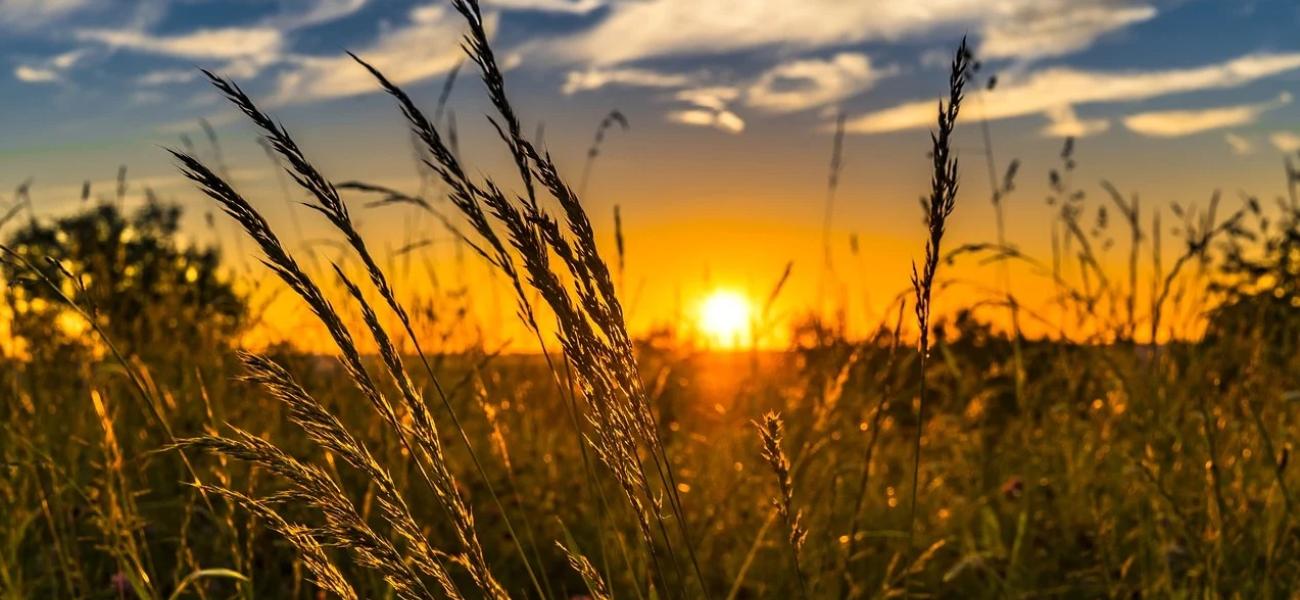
[(1013, 28), (297, 14), (577, 7), (1055, 28), (595, 78), (1239, 145), (220, 43), (724, 120), (1064, 122), (426, 46), (29, 74), (243, 51), (168, 76), (50, 70), (1285, 141), (1052, 89), (803, 84), (710, 109), (28, 14), (1177, 123)]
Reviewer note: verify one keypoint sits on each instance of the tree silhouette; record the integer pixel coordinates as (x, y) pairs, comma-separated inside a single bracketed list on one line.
[(150, 295)]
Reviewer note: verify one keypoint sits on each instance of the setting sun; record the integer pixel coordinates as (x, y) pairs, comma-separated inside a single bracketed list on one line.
[(724, 319)]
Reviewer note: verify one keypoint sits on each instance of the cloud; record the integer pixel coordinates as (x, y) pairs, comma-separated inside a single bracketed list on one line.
[(714, 98), (724, 120), (574, 7), (787, 87), (426, 46), (168, 76), (29, 14), (710, 109), (220, 43), (1051, 89), (638, 30), (67, 60), (298, 14), (1177, 123), (1240, 145), (49, 70), (1064, 122), (1285, 141), (1056, 28), (597, 77), (35, 74), (803, 84)]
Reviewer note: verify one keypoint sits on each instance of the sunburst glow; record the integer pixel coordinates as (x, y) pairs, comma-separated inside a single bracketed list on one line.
[(724, 319)]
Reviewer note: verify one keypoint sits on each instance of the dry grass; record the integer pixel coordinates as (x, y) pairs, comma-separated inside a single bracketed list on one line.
[(621, 468)]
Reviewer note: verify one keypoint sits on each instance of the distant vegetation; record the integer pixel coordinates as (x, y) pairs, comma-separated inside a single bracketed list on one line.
[(145, 454)]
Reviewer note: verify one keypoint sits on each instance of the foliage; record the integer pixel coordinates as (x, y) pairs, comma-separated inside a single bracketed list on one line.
[(146, 291)]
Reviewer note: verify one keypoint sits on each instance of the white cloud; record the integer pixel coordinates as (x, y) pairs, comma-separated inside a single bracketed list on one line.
[(1056, 28), (297, 14), (1285, 141), (35, 74), (597, 77), (221, 43), (1240, 145), (1048, 90), (803, 84), (724, 120), (714, 97), (710, 108), (575, 7), (27, 14), (1064, 122), (639, 30), (67, 60), (1177, 123), (168, 76), (426, 46), (49, 70)]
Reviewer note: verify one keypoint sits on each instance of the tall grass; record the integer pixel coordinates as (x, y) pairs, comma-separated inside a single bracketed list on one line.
[(980, 464), (942, 201)]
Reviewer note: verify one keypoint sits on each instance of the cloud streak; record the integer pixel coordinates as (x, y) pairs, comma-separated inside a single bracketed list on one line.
[(219, 43), (50, 70), (598, 77), (573, 7), (424, 47), (803, 84), (1049, 90), (1178, 123), (710, 109), (1013, 28), (1285, 141), (1057, 28), (28, 14)]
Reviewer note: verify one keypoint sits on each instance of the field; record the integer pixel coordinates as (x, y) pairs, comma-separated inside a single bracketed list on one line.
[(1138, 448)]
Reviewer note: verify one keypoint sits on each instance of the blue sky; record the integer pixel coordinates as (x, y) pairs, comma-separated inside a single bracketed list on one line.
[(86, 69), (731, 103)]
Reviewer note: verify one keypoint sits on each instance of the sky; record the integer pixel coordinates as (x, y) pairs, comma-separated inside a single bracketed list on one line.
[(721, 176)]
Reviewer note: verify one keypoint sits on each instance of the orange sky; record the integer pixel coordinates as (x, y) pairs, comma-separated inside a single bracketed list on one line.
[(721, 178)]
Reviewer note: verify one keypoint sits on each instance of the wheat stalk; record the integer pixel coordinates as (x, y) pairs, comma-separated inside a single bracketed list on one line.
[(940, 204)]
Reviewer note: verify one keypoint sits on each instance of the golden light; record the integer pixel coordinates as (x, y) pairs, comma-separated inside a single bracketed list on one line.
[(724, 319)]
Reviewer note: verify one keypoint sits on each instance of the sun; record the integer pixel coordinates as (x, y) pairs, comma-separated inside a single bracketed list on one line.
[(724, 319)]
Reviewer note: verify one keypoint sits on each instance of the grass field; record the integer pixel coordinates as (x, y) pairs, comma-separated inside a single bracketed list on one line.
[(1141, 451)]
